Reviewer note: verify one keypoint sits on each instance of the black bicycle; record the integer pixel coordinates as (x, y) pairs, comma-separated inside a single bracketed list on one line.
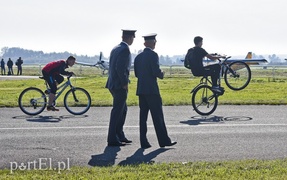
[(33, 101), (237, 76)]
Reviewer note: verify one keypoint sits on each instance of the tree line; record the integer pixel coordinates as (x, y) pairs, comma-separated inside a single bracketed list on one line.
[(39, 57)]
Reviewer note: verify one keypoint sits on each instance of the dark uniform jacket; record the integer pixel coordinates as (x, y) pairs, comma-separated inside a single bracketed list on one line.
[(119, 67), (146, 67)]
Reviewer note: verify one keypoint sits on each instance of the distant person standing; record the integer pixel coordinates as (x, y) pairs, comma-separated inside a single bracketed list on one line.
[(3, 67), (118, 80), (19, 63), (147, 70), (10, 66)]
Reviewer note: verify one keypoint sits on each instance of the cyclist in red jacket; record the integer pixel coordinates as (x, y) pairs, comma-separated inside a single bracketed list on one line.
[(52, 74)]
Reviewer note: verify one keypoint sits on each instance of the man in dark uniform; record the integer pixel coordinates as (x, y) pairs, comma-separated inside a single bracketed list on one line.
[(197, 67), (147, 70), (119, 70)]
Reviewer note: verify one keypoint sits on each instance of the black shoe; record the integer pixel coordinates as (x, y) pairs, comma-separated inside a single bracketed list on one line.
[(170, 144), (126, 141), (146, 146), (116, 144), (52, 108), (216, 89)]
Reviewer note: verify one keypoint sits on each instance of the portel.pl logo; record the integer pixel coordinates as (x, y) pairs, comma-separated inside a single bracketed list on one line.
[(41, 164)]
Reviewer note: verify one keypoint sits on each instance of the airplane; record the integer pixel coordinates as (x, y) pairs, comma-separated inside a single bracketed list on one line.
[(249, 60), (104, 65)]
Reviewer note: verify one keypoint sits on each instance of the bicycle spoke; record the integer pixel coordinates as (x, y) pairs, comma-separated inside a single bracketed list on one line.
[(237, 76), (77, 101), (32, 101), (204, 101)]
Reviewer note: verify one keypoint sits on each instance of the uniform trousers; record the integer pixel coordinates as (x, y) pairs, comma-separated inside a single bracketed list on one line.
[(152, 103), (118, 116)]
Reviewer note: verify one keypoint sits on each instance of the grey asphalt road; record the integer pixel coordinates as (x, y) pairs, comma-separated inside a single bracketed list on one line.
[(59, 139)]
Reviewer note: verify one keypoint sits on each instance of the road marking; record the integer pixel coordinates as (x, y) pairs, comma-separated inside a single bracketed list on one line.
[(150, 126)]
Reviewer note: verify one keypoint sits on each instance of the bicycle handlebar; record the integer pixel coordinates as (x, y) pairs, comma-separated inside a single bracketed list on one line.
[(70, 75), (224, 59)]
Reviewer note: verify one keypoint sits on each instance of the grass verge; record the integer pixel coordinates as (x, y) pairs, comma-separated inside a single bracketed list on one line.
[(244, 169), (174, 91)]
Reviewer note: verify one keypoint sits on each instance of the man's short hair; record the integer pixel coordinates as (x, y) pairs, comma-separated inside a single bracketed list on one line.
[(197, 40), (71, 58)]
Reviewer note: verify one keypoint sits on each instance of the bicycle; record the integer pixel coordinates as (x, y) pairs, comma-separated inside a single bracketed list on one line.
[(33, 101), (237, 76)]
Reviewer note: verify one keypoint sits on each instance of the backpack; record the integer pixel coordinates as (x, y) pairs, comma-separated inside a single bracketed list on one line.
[(188, 58)]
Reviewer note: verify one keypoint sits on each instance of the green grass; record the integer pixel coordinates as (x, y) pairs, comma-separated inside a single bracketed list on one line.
[(244, 169), (174, 91)]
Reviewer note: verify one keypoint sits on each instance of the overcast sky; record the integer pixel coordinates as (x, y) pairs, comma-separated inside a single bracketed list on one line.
[(86, 27)]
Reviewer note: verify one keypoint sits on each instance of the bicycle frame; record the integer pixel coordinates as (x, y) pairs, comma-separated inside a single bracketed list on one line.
[(62, 88), (33, 101), (203, 80), (224, 66), (206, 80), (205, 99)]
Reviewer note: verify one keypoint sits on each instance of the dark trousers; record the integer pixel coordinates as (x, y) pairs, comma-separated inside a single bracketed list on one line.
[(152, 103), (10, 69), (118, 116), (19, 70), (212, 70), (3, 71)]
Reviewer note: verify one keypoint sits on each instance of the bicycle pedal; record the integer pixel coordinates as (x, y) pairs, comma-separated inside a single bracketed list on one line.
[(220, 93)]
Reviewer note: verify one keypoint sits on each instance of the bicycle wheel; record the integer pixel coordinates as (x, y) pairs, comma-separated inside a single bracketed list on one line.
[(204, 100), (77, 101), (237, 76), (32, 101)]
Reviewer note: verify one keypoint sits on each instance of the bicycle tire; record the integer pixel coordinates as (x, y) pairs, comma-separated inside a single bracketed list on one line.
[(238, 75), (204, 100), (83, 104), (32, 101)]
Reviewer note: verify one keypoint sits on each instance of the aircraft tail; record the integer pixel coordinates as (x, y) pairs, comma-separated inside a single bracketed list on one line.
[(100, 59), (101, 54), (249, 55)]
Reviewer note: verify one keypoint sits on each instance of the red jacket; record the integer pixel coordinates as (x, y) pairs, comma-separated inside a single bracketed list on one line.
[(56, 67)]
